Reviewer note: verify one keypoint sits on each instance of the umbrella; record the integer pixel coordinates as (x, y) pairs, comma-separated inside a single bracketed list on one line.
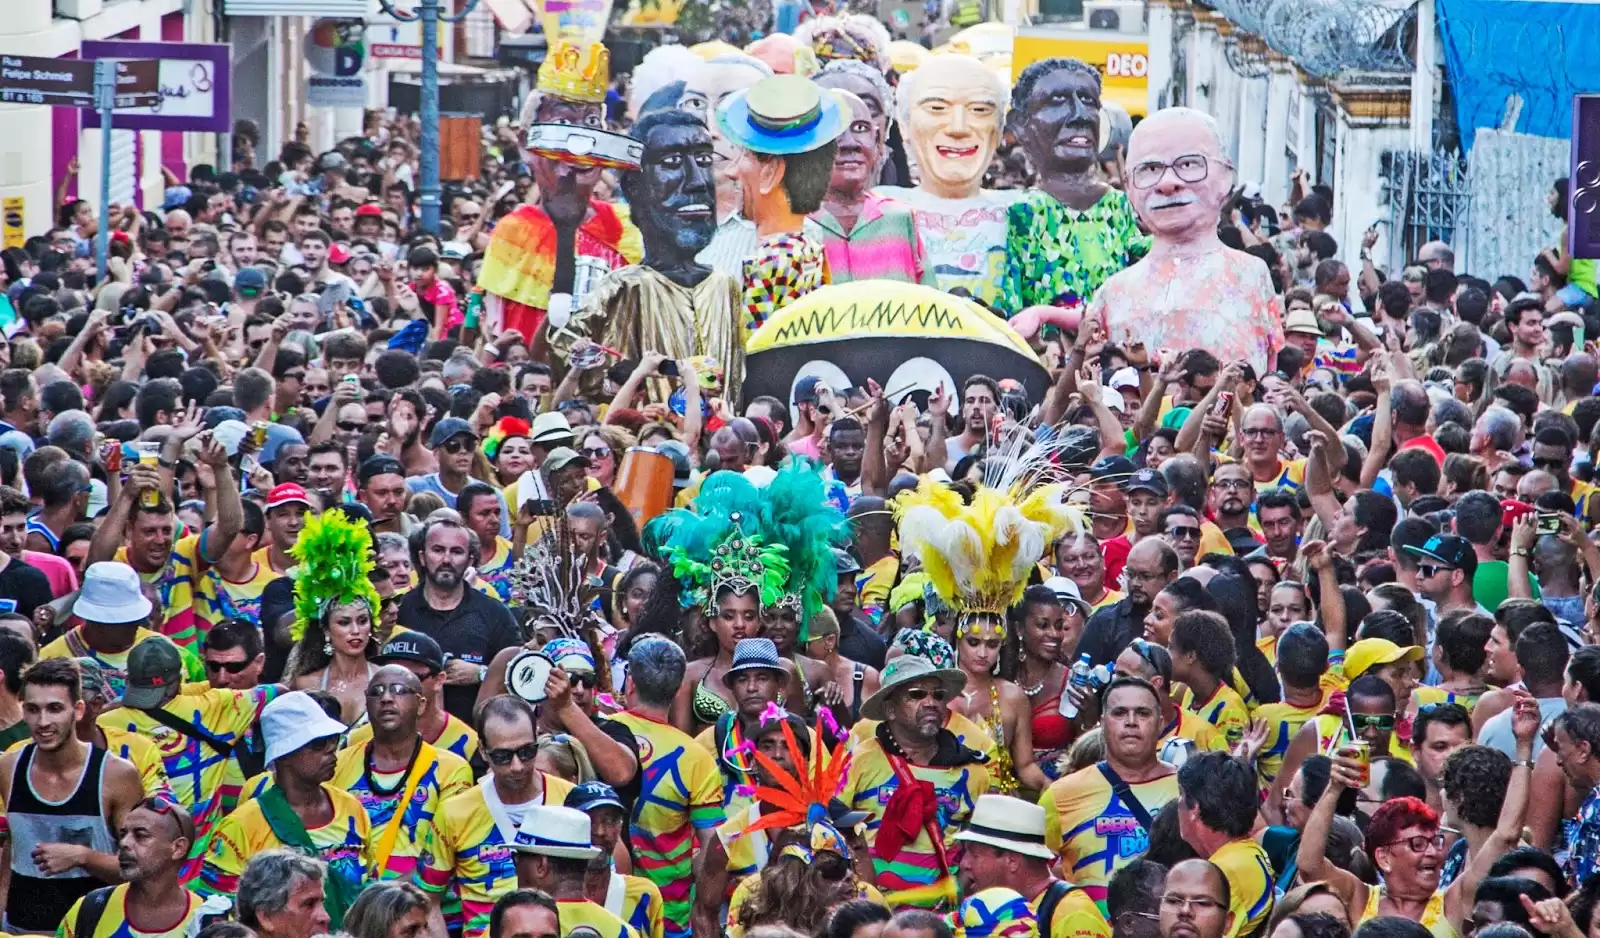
[(907, 337)]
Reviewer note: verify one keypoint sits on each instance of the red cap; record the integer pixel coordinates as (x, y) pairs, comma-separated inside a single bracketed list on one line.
[(287, 493), (370, 210), (1427, 444), (338, 254), (1511, 510)]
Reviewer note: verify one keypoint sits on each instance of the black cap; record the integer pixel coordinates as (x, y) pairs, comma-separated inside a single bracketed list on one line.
[(412, 646), (1115, 468), (378, 465), (1452, 550), (1148, 480)]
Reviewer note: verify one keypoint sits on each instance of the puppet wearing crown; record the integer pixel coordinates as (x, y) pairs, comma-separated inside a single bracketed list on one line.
[(566, 243)]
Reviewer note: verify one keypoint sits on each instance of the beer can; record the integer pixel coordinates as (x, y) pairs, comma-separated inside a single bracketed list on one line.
[(1358, 750)]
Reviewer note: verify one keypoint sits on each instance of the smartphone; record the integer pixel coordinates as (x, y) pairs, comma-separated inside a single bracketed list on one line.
[(1223, 406), (667, 369), (1549, 522)]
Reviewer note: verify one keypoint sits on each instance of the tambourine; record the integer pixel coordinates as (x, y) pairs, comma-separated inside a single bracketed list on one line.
[(527, 673), (584, 146)]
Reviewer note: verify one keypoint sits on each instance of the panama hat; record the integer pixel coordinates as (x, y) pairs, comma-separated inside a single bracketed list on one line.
[(1009, 824), (781, 116), (556, 832), (904, 670)]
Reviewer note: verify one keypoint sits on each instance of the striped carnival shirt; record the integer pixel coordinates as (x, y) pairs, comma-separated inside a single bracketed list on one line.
[(883, 245)]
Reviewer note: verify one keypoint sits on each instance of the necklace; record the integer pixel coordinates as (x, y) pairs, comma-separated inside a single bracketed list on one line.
[(372, 775)]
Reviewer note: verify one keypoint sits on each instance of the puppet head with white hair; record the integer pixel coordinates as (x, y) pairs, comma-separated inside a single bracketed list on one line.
[(950, 111)]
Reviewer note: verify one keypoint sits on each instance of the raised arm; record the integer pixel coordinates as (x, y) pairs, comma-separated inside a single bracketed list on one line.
[(1525, 720), (1319, 485), (1313, 856), (1382, 420)]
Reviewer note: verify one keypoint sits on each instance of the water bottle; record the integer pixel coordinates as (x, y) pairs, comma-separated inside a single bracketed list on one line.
[(1079, 677)]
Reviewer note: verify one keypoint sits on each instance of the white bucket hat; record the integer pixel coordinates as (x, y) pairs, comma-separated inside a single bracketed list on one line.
[(556, 832), (1007, 823), (111, 595), (293, 722)]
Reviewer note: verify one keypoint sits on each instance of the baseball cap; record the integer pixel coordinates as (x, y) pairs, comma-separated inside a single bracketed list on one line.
[(338, 254), (175, 197), (154, 665), (370, 210), (805, 390), (562, 456), (682, 469), (845, 562), (332, 159), (287, 493), (1368, 653), (250, 282), (1114, 468), (591, 795), (1148, 480), (412, 646), (447, 428), (1512, 510), (1124, 378), (1112, 398), (378, 464), (1452, 550), (216, 415)]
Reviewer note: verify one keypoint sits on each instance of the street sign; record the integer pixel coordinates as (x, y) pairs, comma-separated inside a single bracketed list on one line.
[(26, 79), (13, 218)]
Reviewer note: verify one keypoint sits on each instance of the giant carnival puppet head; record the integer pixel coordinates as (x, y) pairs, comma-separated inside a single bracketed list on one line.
[(1177, 176), (1056, 117), (786, 128), (571, 89), (673, 193), (866, 83), (861, 148), (784, 54), (950, 110), (853, 36)]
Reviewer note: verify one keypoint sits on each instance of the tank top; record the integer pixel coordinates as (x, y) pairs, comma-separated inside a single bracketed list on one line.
[(36, 902), (1433, 917)]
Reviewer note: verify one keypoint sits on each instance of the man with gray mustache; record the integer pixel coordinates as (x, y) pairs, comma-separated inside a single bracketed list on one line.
[(1191, 291)]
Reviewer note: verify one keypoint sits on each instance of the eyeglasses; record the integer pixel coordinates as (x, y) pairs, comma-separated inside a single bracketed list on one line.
[(1190, 168), (598, 452), (1382, 722), (397, 689), (294, 376), (1240, 484), (922, 693), (453, 446), (1259, 433), (1433, 569), (232, 667), (1199, 904), (504, 756), (1187, 533), (1420, 842)]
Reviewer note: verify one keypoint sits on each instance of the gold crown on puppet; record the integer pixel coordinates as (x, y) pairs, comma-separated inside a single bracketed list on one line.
[(575, 73)]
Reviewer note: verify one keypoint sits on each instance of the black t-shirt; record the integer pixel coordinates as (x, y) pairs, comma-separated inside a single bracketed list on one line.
[(629, 793), (276, 599), (27, 585), (476, 630), (859, 643)]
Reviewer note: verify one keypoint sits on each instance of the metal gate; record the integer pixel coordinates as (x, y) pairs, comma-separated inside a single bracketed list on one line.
[(1429, 199)]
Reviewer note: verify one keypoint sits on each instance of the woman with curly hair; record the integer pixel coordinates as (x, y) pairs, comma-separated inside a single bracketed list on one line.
[(605, 445)]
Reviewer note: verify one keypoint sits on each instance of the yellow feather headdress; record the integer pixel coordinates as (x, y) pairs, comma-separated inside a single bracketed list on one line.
[(979, 556)]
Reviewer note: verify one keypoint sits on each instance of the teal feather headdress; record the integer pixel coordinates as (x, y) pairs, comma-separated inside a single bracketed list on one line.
[(716, 545), (796, 511), (333, 557)]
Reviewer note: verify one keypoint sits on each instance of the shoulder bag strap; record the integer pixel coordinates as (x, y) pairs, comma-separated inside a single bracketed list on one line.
[(426, 757), (1047, 906), (1125, 794), (172, 721), (92, 910)]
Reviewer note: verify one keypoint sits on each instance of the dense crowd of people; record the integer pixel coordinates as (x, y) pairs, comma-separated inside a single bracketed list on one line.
[(358, 579)]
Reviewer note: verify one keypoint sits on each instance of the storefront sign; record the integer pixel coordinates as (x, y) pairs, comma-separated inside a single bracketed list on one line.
[(193, 83)]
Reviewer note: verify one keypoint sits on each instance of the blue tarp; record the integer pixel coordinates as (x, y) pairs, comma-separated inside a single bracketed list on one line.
[(1540, 52)]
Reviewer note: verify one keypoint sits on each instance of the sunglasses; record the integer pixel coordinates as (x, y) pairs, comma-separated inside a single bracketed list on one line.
[(585, 681), (325, 744), (1382, 722), (396, 689), (232, 667), (1432, 569), (922, 693), (598, 452), (504, 756), (355, 426), (1549, 463), (453, 446), (1189, 534)]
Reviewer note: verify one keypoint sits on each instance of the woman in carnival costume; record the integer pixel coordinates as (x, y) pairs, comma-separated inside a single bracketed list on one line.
[(335, 605), (978, 556)]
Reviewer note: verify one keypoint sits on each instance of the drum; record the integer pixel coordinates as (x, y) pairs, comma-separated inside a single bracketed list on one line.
[(584, 146), (527, 673), (644, 483)]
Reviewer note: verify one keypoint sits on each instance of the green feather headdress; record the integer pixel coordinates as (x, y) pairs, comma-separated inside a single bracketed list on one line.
[(333, 558), (715, 546), (795, 511)]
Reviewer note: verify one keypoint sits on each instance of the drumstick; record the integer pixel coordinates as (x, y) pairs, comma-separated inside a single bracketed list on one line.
[(856, 410)]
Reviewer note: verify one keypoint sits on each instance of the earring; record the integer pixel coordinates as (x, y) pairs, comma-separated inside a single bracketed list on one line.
[(327, 645)]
